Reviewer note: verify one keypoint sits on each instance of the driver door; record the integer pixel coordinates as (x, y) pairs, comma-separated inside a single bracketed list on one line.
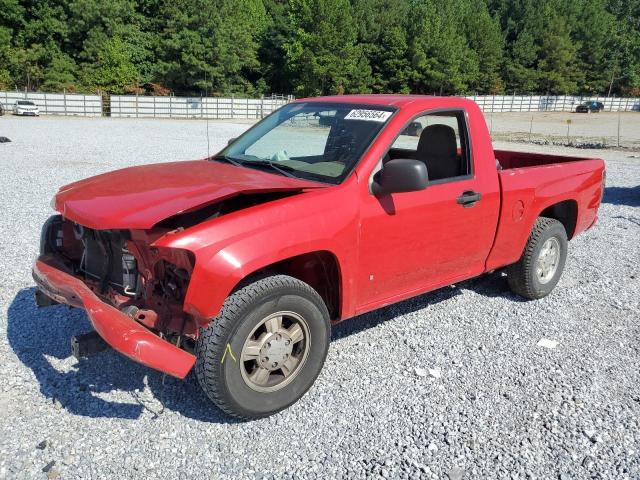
[(417, 241)]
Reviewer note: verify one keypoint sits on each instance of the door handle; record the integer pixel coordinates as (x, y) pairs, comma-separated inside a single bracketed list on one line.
[(468, 198)]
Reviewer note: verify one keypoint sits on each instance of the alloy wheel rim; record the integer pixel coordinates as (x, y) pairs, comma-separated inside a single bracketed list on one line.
[(548, 259), (275, 351)]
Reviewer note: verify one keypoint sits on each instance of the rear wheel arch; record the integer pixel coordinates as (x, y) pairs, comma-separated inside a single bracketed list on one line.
[(566, 212)]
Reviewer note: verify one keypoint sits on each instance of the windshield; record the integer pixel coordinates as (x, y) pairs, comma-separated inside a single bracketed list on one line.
[(24, 102), (318, 141)]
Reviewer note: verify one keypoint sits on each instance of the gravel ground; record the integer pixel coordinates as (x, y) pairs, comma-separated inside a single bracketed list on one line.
[(451, 384), (597, 129)]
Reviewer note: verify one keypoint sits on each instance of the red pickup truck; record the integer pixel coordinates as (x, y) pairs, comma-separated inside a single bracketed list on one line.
[(330, 207)]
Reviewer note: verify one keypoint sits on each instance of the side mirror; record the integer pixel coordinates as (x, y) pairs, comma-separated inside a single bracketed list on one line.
[(231, 140), (400, 175)]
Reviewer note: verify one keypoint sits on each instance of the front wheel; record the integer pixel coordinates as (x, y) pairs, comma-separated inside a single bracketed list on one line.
[(540, 267), (265, 349)]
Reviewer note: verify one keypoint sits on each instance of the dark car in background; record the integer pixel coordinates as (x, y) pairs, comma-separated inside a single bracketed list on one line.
[(589, 107)]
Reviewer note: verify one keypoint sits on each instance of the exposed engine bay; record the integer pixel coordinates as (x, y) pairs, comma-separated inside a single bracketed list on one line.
[(122, 268), (106, 259)]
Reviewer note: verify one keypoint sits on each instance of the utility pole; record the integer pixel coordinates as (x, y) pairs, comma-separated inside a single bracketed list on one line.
[(613, 73)]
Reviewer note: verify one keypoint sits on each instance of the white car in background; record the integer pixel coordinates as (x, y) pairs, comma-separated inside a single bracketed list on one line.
[(25, 107)]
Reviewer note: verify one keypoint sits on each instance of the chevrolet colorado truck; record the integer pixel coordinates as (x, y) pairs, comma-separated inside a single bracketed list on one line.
[(238, 265)]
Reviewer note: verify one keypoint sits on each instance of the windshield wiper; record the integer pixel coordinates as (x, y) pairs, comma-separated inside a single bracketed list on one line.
[(228, 159), (282, 169)]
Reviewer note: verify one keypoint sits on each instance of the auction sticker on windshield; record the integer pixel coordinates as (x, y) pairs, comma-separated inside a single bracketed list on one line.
[(370, 115)]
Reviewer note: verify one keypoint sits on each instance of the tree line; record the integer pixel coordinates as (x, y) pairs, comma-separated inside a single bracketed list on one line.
[(313, 47)]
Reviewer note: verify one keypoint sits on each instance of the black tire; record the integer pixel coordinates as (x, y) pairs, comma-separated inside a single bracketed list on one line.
[(522, 276), (218, 349)]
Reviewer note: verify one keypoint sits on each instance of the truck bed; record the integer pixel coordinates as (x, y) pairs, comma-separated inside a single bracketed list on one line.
[(509, 159), (532, 182)]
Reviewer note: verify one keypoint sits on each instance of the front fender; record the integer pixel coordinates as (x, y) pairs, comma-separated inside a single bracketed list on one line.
[(230, 248)]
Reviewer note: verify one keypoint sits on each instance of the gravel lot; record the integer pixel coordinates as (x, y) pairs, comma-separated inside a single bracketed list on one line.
[(597, 129), (451, 384)]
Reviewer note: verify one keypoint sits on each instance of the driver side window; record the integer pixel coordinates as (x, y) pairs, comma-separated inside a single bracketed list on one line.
[(440, 140)]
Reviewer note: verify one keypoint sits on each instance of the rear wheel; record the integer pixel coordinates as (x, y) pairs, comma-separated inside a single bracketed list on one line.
[(265, 349), (540, 267)]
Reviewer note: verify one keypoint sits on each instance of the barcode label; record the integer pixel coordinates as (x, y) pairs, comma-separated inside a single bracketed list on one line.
[(370, 115)]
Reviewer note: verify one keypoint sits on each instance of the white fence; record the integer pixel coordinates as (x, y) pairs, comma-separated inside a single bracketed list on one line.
[(565, 103), (248, 108), (56, 103), (194, 107)]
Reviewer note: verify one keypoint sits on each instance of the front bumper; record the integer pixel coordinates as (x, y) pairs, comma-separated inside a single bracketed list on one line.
[(120, 331)]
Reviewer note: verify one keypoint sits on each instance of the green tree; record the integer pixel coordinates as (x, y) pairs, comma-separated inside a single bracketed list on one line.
[(114, 71), (37, 31), (249, 47), (520, 21), (381, 33), (391, 66), (12, 20), (441, 58), (321, 53), (595, 32), (61, 74), (558, 63), (6, 58), (485, 40), (212, 46), (521, 70), (273, 48), (542, 49), (625, 75)]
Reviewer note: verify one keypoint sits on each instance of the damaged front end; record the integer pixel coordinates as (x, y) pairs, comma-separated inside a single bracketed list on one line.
[(132, 291)]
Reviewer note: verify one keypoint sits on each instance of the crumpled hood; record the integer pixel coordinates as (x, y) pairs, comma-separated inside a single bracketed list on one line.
[(140, 197)]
